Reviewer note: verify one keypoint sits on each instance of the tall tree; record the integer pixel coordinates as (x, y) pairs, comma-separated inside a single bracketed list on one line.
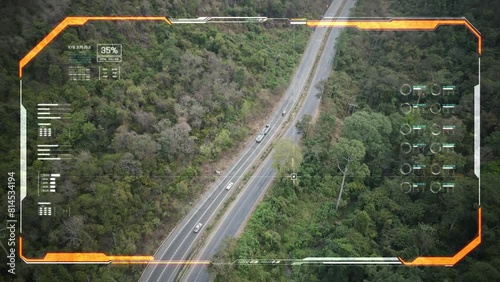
[(373, 129), (347, 155), (303, 125)]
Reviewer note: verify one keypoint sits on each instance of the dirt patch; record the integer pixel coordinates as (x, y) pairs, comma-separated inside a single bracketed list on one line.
[(315, 115)]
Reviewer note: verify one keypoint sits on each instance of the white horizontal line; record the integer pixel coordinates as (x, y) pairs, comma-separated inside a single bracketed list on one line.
[(350, 258), (362, 262)]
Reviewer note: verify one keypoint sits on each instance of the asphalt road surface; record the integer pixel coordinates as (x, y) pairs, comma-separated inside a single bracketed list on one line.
[(180, 242), (241, 209)]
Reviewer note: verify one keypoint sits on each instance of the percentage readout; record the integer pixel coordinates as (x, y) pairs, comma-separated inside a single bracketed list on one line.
[(109, 52)]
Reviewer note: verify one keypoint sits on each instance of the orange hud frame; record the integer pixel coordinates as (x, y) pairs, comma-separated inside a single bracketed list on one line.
[(394, 24)]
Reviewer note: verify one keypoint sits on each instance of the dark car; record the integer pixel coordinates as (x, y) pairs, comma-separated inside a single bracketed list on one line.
[(266, 129)]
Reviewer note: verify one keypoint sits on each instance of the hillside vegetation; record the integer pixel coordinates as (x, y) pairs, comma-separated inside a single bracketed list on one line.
[(357, 148), (146, 143)]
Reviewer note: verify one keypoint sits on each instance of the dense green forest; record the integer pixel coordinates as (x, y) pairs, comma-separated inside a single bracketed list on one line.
[(373, 217), (147, 143)]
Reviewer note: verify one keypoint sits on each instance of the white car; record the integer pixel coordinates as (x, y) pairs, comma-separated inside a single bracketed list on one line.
[(229, 185), (259, 138), (197, 227)]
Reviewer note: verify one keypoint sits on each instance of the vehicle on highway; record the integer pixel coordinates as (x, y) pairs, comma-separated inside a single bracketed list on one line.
[(197, 227), (259, 138), (283, 113), (265, 130), (229, 185)]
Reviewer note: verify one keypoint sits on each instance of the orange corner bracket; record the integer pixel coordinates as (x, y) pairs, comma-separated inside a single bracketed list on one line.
[(450, 261), (97, 258), (401, 24), (75, 21), (100, 258)]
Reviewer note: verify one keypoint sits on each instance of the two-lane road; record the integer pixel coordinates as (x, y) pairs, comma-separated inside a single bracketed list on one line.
[(180, 242)]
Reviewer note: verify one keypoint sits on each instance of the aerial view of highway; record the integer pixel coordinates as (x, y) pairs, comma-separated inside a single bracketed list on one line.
[(265, 140), (178, 245)]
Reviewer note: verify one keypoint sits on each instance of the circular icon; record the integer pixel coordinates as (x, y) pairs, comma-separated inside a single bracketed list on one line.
[(435, 187), (405, 169), (405, 89), (405, 187), (405, 108), (406, 147), (405, 129), (435, 90), (435, 108), (435, 129), (435, 169), (435, 148)]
